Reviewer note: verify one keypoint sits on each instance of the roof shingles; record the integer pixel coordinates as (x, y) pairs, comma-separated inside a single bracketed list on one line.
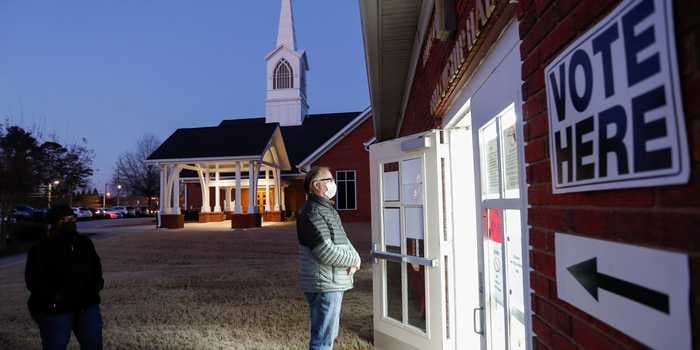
[(216, 142)]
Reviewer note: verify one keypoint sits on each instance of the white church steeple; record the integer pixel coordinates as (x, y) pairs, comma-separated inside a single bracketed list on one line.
[(285, 29), (286, 74)]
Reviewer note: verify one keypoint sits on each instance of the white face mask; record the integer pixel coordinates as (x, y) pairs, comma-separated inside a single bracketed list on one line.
[(331, 189)]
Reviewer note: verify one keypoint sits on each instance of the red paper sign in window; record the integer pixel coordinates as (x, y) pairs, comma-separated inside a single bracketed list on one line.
[(492, 223)]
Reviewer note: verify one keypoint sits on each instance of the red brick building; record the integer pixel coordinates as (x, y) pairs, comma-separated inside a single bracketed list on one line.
[(558, 144), (251, 170)]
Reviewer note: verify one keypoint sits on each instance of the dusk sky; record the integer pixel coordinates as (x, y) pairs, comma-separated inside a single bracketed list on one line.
[(112, 71)]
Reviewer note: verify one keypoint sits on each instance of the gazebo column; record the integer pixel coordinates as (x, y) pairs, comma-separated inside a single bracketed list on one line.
[(278, 189), (273, 213), (205, 213), (167, 196), (252, 218), (217, 191), (163, 183), (228, 202), (267, 190), (170, 196), (237, 204), (176, 190), (282, 206), (204, 185), (252, 188), (184, 203)]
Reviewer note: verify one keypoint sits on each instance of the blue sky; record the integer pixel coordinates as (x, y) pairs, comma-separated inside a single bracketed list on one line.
[(111, 71)]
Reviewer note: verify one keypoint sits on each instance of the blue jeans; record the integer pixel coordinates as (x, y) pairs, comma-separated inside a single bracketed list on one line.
[(325, 318), (86, 324)]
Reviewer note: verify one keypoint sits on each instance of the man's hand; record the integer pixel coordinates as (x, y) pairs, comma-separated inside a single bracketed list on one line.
[(353, 269)]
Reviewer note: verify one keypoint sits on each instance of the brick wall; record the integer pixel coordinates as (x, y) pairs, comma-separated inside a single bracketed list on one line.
[(663, 217), (350, 154), (294, 197)]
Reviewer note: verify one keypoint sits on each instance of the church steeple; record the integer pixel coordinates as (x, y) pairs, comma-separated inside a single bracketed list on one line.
[(286, 74), (285, 29)]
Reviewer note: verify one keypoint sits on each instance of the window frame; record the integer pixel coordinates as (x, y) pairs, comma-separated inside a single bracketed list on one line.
[(354, 180), (280, 81)]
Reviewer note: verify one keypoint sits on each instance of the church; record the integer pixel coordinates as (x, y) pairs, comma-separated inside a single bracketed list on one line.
[(251, 170)]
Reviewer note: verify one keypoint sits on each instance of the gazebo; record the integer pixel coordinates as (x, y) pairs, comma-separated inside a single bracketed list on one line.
[(253, 155)]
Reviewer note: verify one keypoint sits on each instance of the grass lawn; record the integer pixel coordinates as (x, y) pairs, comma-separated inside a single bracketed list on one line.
[(204, 287)]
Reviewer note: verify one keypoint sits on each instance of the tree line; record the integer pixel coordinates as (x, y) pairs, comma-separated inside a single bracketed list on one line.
[(28, 166)]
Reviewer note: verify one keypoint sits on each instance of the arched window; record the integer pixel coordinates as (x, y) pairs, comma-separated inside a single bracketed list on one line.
[(283, 77)]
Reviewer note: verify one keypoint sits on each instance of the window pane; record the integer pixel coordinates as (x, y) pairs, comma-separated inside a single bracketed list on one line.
[(412, 181), (490, 178), (448, 321), (390, 181), (394, 301), (493, 256), (414, 232), (350, 175), (510, 155), (416, 295), (340, 176), (350, 186), (341, 198), (392, 228), (514, 271)]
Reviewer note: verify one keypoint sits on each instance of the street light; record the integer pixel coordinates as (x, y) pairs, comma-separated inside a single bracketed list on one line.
[(119, 187), (51, 184)]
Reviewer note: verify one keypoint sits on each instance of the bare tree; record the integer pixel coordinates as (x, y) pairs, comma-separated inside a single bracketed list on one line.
[(131, 170)]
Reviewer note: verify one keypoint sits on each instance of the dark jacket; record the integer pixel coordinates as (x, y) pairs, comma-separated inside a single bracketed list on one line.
[(63, 274), (325, 252)]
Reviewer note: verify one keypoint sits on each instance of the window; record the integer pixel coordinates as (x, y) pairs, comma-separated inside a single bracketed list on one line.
[(283, 77), (503, 231), (347, 189)]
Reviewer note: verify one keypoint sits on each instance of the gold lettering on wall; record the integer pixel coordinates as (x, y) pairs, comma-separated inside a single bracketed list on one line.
[(475, 21)]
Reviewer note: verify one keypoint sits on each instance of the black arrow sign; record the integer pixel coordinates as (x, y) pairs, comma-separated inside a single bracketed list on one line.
[(586, 273)]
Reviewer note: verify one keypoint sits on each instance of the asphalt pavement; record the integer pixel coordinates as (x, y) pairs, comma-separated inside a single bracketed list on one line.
[(98, 230)]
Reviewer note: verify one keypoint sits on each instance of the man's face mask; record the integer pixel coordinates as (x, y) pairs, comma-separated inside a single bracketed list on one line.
[(331, 189)]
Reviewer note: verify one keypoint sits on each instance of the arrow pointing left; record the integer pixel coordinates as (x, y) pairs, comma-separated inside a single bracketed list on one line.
[(586, 273)]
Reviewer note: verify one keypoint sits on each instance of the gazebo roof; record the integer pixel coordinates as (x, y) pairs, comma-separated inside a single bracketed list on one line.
[(249, 138)]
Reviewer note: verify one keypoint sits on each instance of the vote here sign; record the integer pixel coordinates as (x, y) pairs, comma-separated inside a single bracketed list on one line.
[(614, 103)]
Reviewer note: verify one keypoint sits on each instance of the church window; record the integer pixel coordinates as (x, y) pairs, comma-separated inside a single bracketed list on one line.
[(283, 77)]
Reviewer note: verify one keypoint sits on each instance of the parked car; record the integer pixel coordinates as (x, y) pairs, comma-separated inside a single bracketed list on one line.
[(22, 212), (130, 211), (109, 214), (82, 213), (148, 211), (122, 211)]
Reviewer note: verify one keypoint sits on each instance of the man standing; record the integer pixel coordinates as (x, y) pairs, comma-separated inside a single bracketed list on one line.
[(328, 259), (64, 277)]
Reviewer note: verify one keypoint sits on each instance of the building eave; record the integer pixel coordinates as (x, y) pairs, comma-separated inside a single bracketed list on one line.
[(389, 31)]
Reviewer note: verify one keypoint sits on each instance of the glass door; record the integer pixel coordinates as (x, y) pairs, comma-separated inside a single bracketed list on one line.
[(501, 233), (409, 274)]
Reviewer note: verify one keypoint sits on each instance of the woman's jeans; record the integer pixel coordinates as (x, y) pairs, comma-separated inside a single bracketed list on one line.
[(86, 324), (325, 318)]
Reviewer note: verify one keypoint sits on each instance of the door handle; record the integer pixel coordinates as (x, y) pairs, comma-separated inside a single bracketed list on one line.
[(403, 258), (481, 328)]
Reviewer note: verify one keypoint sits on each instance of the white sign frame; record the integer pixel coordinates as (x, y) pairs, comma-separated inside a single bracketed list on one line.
[(593, 177), (658, 270)]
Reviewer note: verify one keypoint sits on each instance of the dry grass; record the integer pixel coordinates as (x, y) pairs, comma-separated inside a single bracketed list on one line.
[(200, 289)]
